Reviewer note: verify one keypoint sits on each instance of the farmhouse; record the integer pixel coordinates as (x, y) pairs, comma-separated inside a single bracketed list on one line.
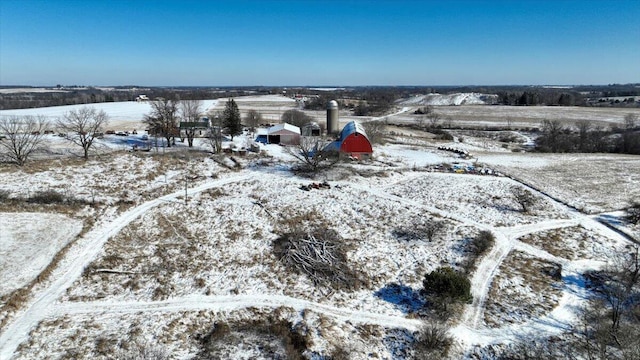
[(353, 141), (197, 128)]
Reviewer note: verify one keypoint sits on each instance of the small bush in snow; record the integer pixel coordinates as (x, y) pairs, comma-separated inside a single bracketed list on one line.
[(432, 342), (421, 230), (445, 287), (273, 338), (633, 213), (143, 352), (47, 197), (478, 246), (524, 198)]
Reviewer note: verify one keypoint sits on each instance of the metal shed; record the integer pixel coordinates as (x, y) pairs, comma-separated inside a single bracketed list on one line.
[(285, 134)]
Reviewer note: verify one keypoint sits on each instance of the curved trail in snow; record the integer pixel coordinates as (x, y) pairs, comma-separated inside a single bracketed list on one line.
[(234, 302), (44, 302), (17, 330), (506, 240)]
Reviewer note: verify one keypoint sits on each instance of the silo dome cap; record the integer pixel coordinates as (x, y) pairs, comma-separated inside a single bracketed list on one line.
[(332, 104)]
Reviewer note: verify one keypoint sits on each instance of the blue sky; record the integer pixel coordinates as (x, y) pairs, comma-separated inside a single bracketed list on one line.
[(279, 43)]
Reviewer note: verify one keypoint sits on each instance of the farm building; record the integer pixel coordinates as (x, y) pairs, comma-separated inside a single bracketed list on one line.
[(197, 128), (353, 141), (285, 134), (311, 129)]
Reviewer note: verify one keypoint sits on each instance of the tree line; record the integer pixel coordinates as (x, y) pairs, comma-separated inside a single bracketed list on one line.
[(92, 95), (23, 136), (585, 137)]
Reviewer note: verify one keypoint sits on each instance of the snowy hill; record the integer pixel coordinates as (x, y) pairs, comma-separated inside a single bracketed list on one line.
[(450, 99)]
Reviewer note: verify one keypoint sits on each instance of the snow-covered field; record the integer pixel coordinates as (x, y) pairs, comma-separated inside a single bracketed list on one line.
[(128, 115), (481, 116), (163, 272), (28, 243)]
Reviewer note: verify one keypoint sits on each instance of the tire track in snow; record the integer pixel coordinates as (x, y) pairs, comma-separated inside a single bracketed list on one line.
[(506, 241), (234, 302), (17, 331)]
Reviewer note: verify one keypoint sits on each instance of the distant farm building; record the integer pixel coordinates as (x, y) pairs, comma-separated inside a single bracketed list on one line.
[(311, 129), (197, 128), (353, 141), (285, 134), (142, 98)]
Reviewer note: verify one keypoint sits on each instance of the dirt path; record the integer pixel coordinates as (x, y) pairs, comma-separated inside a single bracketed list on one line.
[(233, 302), (17, 331), (470, 331)]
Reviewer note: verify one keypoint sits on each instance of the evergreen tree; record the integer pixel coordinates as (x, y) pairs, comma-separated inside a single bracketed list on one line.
[(231, 119)]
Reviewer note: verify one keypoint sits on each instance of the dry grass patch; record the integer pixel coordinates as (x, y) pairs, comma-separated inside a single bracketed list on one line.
[(571, 243), (524, 288)]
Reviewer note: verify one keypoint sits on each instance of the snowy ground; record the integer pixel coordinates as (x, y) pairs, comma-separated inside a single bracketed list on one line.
[(156, 268), (481, 116), (28, 243), (450, 99)]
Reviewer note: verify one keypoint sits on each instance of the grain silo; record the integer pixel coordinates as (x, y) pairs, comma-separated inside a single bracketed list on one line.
[(332, 117)]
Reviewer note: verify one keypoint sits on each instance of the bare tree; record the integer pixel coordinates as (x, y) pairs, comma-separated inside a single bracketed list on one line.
[(434, 119), (312, 154), (82, 126), (24, 135), (551, 138), (376, 131), (252, 119), (523, 197), (630, 121), (584, 126), (296, 117), (163, 119), (215, 132), (190, 113), (612, 313), (509, 122)]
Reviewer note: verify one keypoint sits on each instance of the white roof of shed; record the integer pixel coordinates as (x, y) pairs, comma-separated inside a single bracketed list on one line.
[(284, 126)]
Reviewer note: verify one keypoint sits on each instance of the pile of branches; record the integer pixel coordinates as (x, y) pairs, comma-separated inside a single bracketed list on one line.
[(320, 255)]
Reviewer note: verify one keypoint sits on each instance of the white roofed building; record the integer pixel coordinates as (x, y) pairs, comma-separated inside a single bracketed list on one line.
[(285, 134)]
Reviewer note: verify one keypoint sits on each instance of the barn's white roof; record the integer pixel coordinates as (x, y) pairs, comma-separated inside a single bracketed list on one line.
[(284, 126)]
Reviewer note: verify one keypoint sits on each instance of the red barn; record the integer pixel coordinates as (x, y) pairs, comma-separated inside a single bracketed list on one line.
[(353, 141)]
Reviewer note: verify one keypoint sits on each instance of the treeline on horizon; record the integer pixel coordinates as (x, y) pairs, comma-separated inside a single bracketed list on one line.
[(364, 100)]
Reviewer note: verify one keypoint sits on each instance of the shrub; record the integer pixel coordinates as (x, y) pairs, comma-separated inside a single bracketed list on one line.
[(47, 197), (524, 198), (477, 247), (143, 352), (420, 230), (482, 242), (432, 342), (633, 213), (445, 283), (276, 338)]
